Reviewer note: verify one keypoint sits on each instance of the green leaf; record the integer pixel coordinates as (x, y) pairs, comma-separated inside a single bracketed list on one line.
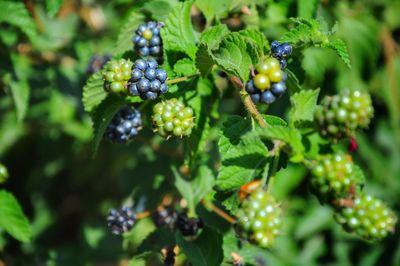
[(124, 41), (204, 60), (306, 32), (303, 106), (159, 9), (93, 92), (206, 250), (53, 6), (307, 9), (15, 13), (213, 35), (12, 218), (102, 116), (194, 190), (178, 34), (340, 48), (258, 37), (290, 136), (213, 8), (20, 92), (243, 155), (147, 258), (185, 67), (236, 54)]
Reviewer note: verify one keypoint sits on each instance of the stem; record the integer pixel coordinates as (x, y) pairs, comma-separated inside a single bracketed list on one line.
[(248, 103), (219, 212), (143, 215), (178, 80)]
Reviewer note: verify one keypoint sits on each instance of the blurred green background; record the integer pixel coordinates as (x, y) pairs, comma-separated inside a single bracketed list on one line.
[(45, 136)]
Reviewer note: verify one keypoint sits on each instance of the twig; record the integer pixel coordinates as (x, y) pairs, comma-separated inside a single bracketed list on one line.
[(248, 103), (219, 212), (178, 80), (143, 215)]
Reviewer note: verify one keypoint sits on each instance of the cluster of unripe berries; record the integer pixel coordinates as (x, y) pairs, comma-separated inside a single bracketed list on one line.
[(340, 115), (368, 217), (336, 182), (173, 118), (124, 126), (3, 173), (269, 80), (116, 74), (334, 176), (259, 218), (147, 40)]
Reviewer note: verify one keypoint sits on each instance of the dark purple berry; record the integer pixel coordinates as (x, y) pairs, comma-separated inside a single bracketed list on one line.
[(267, 97)]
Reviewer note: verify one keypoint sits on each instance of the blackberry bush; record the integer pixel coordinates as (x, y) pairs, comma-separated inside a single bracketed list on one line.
[(259, 218), (121, 220), (340, 115), (116, 74), (268, 83), (147, 80), (335, 176), (368, 218), (173, 118), (124, 126), (147, 40)]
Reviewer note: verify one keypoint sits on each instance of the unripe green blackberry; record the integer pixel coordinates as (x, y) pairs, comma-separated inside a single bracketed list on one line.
[(116, 74), (3, 173), (335, 176), (259, 218), (368, 218), (173, 118), (340, 115)]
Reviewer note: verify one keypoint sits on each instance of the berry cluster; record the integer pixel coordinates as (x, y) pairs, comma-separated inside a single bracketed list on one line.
[(169, 217), (3, 173), (165, 217), (172, 118), (259, 218), (334, 176), (368, 218), (147, 40), (124, 126), (116, 74), (147, 80), (97, 62), (121, 220), (281, 52), (189, 226), (340, 115), (268, 82)]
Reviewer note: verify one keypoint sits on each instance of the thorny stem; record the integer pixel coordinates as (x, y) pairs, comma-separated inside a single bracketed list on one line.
[(248, 103), (178, 80), (219, 212)]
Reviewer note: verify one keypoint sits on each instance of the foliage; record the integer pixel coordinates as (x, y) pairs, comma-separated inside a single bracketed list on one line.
[(63, 178)]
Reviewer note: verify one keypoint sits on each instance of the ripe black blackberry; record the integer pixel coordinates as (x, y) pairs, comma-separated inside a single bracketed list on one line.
[(124, 126), (189, 227), (340, 115), (97, 62), (147, 40), (281, 52), (165, 217), (121, 220), (147, 80), (268, 83)]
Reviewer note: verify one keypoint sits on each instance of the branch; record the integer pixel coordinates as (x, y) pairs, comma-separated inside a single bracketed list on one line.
[(248, 103), (219, 212), (178, 80)]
